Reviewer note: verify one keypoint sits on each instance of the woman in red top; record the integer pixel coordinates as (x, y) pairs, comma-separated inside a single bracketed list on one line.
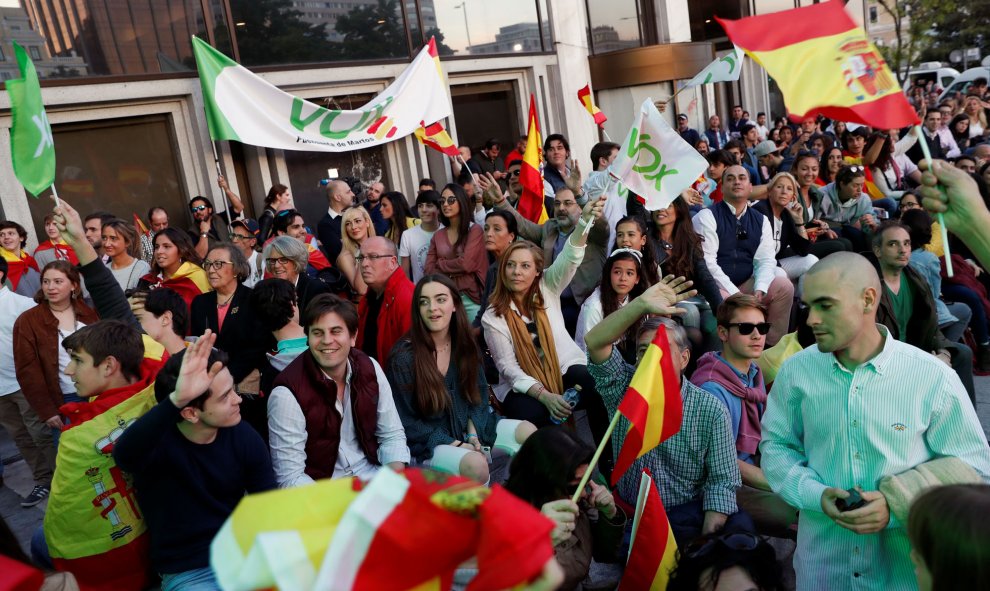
[(458, 249)]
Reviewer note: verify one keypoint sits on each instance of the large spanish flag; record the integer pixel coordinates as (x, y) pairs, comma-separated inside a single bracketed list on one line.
[(824, 63), (584, 95), (189, 280), (530, 204), (652, 404)]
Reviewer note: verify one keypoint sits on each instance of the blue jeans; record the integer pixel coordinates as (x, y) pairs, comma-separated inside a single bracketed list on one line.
[(199, 579), (39, 550)]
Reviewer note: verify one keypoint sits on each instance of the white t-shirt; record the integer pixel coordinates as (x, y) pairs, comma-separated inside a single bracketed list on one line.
[(415, 244), (64, 381), (257, 269)]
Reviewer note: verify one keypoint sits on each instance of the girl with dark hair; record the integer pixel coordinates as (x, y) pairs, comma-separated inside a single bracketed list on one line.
[(631, 232), (622, 281), (458, 249), (959, 128), (950, 538), (882, 190), (121, 244), (678, 252), (545, 473), (726, 560), (176, 266), (278, 198), (440, 389), (847, 209), (831, 162), (394, 209), (39, 359)]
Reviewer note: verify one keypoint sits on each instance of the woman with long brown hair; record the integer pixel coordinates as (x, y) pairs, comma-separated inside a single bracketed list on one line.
[(121, 244), (678, 252), (537, 359), (278, 198), (458, 249), (176, 266), (440, 389)]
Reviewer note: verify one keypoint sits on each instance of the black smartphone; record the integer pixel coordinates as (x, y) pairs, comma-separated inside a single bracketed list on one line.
[(853, 501)]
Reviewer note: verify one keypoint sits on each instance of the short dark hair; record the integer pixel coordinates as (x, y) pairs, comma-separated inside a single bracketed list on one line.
[(283, 220), (161, 300), (106, 338), (429, 196), (428, 182), (847, 173), (168, 377), (510, 220), (721, 157), (327, 303), (888, 225), (272, 301), (738, 301), (602, 150), (493, 142), (512, 163), (761, 114), (919, 225), (556, 136), (981, 81), (746, 128), (103, 216), (203, 199), (8, 224)]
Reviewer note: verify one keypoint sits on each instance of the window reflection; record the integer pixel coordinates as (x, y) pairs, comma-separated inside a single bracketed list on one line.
[(480, 27), (614, 25)]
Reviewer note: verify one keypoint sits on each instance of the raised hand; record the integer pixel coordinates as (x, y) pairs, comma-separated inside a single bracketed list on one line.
[(195, 373), (491, 192), (573, 180), (661, 297)]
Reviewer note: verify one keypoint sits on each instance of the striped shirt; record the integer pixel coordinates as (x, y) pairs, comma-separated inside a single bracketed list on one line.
[(699, 460), (828, 426)]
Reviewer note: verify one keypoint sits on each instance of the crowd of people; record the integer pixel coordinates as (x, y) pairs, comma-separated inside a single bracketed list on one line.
[(825, 357)]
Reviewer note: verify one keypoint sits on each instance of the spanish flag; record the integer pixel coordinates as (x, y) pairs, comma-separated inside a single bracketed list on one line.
[(18, 264), (530, 204), (652, 404), (653, 554), (436, 137), (189, 280), (140, 226), (824, 64), (584, 95), (62, 250)]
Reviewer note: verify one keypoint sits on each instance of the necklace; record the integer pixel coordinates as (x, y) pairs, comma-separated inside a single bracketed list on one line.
[(62, 310), (227, 301), (443, 349)]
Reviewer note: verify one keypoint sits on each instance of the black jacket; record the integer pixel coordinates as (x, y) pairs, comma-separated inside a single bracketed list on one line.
[(922, 329), (791, 243), (242, 337)]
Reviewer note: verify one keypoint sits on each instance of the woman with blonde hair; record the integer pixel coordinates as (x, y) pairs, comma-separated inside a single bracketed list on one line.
[(786, 214), (356, 227), (973, 109)]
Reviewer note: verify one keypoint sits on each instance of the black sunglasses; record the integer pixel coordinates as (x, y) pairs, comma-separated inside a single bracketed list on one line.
[(734, 541), (741, 233), (747, 327)]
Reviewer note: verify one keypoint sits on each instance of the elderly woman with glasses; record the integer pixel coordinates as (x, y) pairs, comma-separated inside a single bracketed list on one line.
[(286, 258)]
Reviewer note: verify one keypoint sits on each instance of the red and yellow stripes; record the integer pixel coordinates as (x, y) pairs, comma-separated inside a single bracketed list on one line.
[(531, 175), (654, 550), (652, 404), (584, 95), (17, 266), (436, 137), (824, 64)]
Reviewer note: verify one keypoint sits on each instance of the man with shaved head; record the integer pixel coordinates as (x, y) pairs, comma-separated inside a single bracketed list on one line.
[(383, 312), (857, 407), (340, 197)]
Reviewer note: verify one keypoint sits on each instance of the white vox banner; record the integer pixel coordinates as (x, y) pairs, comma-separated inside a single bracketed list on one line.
[(723, 69), (244, 107), (654, 162)]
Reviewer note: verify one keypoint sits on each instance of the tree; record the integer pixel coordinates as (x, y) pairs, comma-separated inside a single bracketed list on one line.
[(914, 24), (374, 31), (273, 33), (962, 24)]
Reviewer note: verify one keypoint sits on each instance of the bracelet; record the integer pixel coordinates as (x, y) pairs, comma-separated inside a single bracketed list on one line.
[(800, 225), (470, 435)]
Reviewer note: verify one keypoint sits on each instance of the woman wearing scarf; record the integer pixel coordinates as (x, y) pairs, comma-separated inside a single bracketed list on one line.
[(176, 266), (537, 359)]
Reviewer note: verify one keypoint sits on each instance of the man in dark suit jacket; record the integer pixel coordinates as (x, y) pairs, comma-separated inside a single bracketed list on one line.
[(340, 197)]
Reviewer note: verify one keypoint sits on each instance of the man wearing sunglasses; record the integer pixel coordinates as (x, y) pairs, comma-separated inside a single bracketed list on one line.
[(844, 414), (739, 250), (735, 379), (208, 228)]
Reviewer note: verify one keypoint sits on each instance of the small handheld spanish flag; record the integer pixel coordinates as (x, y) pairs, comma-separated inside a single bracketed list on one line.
[(436, 137), (584, 95)]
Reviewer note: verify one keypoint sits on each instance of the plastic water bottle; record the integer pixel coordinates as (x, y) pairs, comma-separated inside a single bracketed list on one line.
[(571, 396)]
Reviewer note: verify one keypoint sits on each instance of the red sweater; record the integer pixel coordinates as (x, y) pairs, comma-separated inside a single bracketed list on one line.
[(395, 315)]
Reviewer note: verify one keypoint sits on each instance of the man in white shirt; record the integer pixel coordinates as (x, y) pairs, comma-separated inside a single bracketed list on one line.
[(415, 242), (739, 250), (356, 431), (856, 408), (32, 437)]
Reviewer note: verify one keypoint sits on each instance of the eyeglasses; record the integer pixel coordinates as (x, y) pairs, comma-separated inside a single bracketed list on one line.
[(197, 208), (278, 262), (733, 541), (514, 172), (746, 328), (235, 237), (448, 200), (371, 257), (216, 265), (741, 233)]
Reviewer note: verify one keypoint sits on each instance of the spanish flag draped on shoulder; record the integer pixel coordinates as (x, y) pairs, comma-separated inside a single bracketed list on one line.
[(824, 64)]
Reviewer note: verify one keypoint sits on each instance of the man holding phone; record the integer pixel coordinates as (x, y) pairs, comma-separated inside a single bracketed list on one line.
[(859, 406)]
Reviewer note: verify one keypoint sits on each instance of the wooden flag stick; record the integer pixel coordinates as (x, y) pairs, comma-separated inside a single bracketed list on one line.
[(595, 458), (941, 218)]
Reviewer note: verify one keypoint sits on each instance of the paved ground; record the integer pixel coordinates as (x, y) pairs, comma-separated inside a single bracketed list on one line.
[(18, 483)]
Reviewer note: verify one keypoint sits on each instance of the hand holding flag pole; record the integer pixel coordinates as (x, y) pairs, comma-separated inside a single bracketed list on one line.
[(941, 218)]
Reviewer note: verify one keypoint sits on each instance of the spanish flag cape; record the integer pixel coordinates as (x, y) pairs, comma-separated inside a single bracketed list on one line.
[(93, 526), (317, 259), (17, 266), (62, 250), (401, 531), (189, 280)]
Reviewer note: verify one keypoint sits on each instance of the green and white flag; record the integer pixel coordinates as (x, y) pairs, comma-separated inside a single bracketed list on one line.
[(32, 148), (723, 69), (244, 107), (654, 162)]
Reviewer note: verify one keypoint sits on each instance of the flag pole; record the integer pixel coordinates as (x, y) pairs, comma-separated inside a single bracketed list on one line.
[(223, 194), (594, 460), (941, 219)]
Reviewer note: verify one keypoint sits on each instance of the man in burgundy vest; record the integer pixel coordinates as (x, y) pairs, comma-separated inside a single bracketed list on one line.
[(331, 413)]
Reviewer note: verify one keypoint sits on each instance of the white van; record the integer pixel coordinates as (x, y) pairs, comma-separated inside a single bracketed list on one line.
[(961, 83), (933, 71)]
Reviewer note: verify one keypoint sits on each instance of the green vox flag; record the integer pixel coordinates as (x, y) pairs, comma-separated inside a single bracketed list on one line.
[(31, 145)]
